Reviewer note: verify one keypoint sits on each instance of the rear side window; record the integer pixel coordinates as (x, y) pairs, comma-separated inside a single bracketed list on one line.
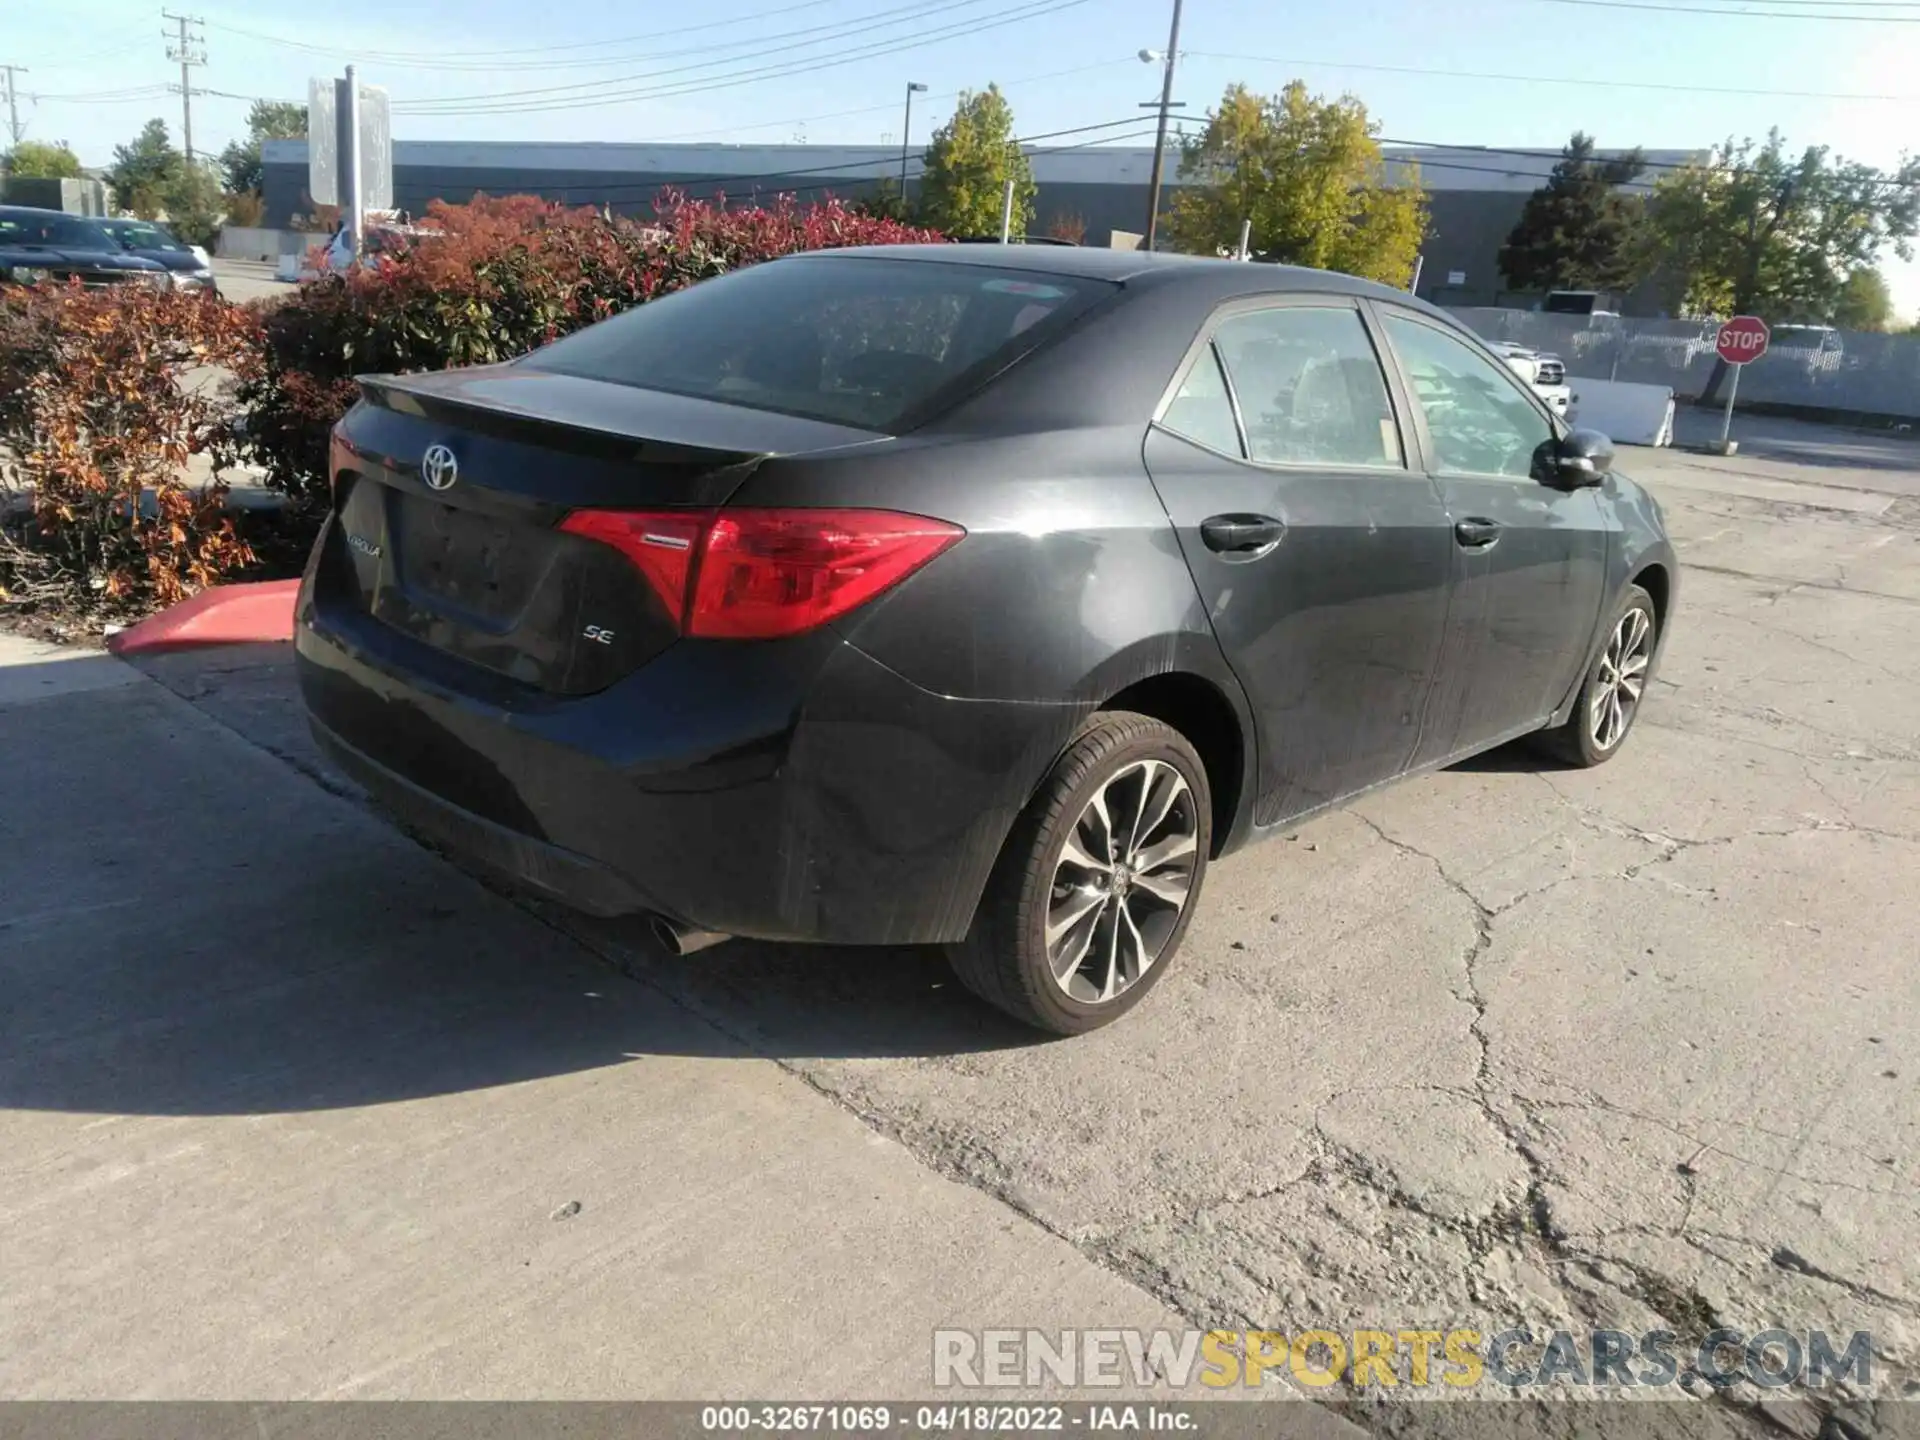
[(1310, 386), (1201, 410), (859, 341)]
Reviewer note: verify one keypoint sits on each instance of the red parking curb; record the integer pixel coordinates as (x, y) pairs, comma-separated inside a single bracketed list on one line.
[(261, 612)]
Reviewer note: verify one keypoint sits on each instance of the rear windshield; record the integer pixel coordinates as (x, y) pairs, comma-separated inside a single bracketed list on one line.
[(858, 341)]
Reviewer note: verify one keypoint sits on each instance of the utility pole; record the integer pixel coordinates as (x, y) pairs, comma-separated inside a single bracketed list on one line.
[(906, 136), (1160, 140), (13, 100), (189, 50)]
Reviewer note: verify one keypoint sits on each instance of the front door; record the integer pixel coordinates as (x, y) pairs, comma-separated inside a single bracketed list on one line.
[(1322, 555), (1530, 558)]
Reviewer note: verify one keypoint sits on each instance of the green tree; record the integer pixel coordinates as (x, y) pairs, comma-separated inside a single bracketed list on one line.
[(192, 199), (1578, 231), (143, 168), (1309, 175), (1753, 230), (1865, 302), (267, 120), (963, 183), (885, 202), (37, 160)]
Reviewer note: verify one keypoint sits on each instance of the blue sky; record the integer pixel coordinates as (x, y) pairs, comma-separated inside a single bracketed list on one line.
[(1627, 75)]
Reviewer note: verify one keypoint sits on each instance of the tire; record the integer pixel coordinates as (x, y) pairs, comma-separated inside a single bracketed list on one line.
[(1006, 960), (1586, 740)]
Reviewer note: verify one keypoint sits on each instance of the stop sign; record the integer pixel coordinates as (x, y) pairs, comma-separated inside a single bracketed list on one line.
[(1743, 340)]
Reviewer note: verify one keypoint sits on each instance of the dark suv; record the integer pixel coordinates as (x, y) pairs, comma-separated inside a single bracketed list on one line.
[(959, 594), (37, 245)]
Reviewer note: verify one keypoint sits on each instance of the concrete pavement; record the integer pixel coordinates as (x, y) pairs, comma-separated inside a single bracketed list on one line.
[(289, 1108), (1503, 1045)]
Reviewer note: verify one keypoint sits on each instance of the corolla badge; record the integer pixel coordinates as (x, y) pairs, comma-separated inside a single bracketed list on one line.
[(439, 468)]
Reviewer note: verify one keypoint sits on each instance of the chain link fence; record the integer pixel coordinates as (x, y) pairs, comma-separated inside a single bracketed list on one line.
[(1844, 371)]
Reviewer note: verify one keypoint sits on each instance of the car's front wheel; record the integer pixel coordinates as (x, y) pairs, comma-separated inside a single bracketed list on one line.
[(1609, 700), (1097, 882)]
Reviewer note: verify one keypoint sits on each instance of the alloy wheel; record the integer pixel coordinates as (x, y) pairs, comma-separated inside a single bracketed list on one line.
[(1622, 677), (1123, 879)]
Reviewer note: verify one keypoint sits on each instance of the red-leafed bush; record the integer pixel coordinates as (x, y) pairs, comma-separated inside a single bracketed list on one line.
[(492, 280), (105, 398)]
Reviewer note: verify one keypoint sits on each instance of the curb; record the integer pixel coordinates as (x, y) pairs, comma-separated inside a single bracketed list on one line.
[(256, 613)]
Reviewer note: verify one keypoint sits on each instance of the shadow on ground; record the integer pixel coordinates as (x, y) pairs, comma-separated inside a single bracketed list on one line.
[(188, 925)]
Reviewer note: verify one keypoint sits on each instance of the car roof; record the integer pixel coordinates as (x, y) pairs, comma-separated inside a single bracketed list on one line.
[(39, 212), (1218, 278)]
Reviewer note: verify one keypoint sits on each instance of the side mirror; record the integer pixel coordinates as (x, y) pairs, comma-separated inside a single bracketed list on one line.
[(1581, 458)]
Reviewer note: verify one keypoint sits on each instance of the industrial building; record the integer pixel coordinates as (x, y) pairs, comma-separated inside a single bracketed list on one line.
[(1474, 195)]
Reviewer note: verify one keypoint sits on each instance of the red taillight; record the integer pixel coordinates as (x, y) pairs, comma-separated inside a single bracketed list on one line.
[(758, 574), (661, 546)]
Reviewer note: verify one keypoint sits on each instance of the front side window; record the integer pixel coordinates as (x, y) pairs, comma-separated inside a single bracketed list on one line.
[(1478, 420), (1201, 410), (1310, 387), (859, 341)]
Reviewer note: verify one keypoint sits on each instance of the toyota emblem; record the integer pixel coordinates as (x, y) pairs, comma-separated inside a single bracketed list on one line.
[(439, 468)]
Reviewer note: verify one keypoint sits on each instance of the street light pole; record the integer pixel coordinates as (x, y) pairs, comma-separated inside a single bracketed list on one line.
[(906, 136), (1160, 139)]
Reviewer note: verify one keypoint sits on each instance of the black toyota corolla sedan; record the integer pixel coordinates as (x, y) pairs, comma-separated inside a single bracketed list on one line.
[(977, 596)]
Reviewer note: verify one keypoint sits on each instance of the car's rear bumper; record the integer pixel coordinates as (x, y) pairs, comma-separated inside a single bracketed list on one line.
[(530, 864), (790, 791)]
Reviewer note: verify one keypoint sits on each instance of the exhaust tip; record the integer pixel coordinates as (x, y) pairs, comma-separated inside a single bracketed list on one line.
[(677, 939)]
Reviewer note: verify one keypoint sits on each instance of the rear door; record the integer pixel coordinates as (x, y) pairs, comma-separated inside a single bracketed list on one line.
[(1529, 558), (1322, 553)]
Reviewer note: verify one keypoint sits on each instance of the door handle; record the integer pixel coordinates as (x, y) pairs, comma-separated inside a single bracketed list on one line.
[(1477, 534), (1242, 534)]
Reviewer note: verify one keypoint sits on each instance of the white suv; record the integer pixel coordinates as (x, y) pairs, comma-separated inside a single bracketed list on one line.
[(1547, 374)]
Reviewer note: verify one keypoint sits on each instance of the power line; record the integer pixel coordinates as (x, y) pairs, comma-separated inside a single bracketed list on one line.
[(485, 104), (1736, 14), (821, 34), (1547, 79), (387, 56), (889, 106)]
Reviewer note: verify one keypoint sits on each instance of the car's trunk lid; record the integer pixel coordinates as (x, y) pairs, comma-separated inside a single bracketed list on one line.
[(471, 562)]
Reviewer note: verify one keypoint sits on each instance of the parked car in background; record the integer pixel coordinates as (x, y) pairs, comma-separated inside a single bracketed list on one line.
[(384, 237), (1547, 374), (186, 265), (973, 595), (38, 245)]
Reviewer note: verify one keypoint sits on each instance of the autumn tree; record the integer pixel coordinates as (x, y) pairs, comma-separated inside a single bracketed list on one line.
[(1309, 174), (37, 160), (973, 155), (1579, 231), (1754, 230)]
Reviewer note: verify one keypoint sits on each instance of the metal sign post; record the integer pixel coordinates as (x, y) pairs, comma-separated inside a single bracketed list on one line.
[(350, 150), (1741, 341), (1006, 215), (355, 198)]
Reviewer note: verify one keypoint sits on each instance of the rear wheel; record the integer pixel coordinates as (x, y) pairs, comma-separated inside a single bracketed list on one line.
[(1609, 700), (1097, 882)]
